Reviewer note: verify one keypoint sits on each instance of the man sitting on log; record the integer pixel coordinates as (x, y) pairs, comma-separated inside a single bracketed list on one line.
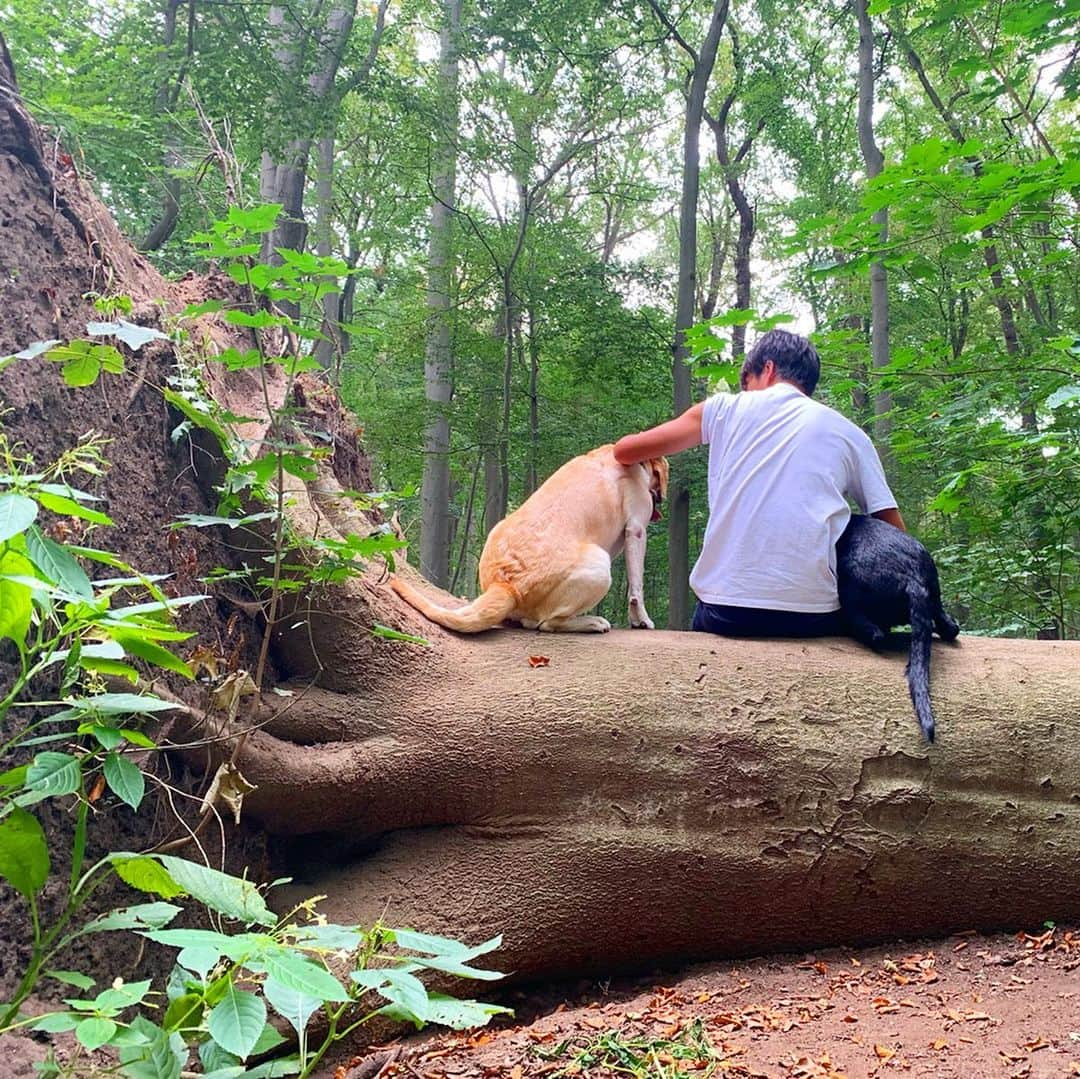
[(781, 468)]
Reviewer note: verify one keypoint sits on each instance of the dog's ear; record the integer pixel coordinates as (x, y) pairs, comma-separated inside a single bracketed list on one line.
[(658, 472)]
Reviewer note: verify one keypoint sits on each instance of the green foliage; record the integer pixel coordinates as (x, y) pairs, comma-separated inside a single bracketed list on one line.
[(214, 1011)]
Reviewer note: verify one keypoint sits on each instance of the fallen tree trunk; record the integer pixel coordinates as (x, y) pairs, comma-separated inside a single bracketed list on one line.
[(659, 796)]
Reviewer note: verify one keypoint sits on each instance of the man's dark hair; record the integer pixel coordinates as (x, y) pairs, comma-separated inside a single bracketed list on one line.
[(795, 358)]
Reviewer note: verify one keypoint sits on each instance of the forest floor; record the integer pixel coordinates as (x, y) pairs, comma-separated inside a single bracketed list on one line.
[(967, 1007)]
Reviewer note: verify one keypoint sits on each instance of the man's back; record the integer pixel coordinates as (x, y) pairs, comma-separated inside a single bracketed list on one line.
[(781, 467)]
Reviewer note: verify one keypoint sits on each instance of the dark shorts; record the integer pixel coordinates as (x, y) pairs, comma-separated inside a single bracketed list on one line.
[(759, 622)]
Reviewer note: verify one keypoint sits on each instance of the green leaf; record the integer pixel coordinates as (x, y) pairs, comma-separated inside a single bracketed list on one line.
[(94, 1032), (133, 336), (237, 1021), (146, 874), (24, 854), (107, 737), (16, 602), (160, 1056), (17, 513), (396, 635), (256, 219), (123, 704), (57, 565), (125, 780), (296, 1007), (54, 774), (461, 1014), (231, 896), (398, 986), (272, 1069), (140, 916), (137, 738), (153, 653), (68, 507), (302, 975), (197, 416), (71, 977), (55, 1023), (184, 1014)]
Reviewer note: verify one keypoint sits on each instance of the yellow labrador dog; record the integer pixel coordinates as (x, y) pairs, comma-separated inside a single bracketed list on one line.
[(550, 560)]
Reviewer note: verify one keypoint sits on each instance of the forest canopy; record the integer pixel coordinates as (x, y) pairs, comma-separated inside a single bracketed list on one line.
[(504, 190)]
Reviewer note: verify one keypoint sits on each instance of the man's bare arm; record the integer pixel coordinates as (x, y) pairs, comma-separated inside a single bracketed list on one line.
[(892, 517), (681, 433)]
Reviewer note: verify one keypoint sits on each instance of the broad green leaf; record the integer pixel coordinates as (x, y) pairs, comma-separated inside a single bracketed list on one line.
[(32, 351), (146, 874), (125, 780), (398, 986), (107, 737), (231, 896), (198, 960), (302, 975), (57, 565), (296, 1007), (94, 1032), (54, 774), (24, 854), (446, 946), (198, 416), (271, 1069), (16, 603), (184, 1014), (133, 336), (237, 1021), (55, 1022), (160, 1056), (237, 946), (68, 507), (140, 916), (123, 704), (17, 513), (461, 1014), (153, 653), (257, 219), (71, 977)]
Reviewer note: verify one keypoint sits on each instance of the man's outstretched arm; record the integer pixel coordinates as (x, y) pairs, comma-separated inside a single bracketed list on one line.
[(681, 433)]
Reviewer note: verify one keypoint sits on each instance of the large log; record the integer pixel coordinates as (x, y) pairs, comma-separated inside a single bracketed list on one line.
[(663, 796)]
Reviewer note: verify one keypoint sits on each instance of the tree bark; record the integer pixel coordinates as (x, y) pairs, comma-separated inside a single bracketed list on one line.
[(702, 62), (654, 797), (879, 281), (439, 352)]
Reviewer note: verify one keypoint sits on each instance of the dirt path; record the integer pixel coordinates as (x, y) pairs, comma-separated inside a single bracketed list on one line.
[(967, 1007)]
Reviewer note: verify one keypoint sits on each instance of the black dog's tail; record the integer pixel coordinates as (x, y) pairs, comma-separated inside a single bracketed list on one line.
[(918, 668)]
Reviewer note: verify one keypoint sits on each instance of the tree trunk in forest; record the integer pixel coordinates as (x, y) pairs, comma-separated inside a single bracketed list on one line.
[(879, 281), (732, 166), (439, 351), (328, 352), (531, 470), (168, 94), (702, 61)]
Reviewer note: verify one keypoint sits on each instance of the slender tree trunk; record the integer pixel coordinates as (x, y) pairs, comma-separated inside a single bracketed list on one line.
[(679, 504), (167, 97), (732, 167), (531, 475), (879, 282), (439, 355), (328, 352)]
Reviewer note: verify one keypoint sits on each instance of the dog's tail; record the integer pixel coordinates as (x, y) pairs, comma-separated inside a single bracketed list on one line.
[(486, 611), (918, 668)]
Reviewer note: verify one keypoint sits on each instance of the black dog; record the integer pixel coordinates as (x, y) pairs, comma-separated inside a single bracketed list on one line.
[(887, 578)]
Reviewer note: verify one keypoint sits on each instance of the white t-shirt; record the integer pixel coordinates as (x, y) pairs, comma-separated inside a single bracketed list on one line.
[(781, 467)]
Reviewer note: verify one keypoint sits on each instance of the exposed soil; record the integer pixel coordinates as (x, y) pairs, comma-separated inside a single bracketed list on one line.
[(966, 1007)]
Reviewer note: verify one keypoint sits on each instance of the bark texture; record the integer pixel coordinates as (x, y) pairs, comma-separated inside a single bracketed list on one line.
[(661, 796)]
